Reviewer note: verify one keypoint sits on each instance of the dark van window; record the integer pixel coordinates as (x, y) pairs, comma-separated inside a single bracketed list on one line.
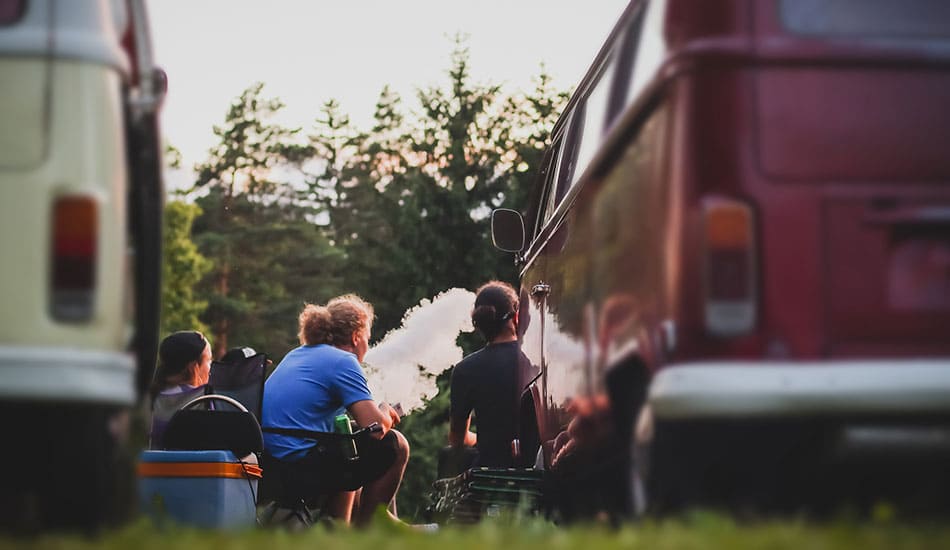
[(534, 217), (11, 10), (563, 166), (868, 18)]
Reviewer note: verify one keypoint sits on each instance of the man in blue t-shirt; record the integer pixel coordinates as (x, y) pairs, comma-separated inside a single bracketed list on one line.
[(318, 381)]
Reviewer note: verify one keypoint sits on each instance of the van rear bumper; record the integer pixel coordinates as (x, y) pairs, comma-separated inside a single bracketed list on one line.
[(755, 388), (66, 375)]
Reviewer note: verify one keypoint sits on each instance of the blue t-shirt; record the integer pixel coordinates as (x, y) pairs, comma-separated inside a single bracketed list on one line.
[(307, 390)]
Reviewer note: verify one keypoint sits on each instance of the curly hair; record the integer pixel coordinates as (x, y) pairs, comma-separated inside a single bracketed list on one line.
[(315, 325), (349, 313)]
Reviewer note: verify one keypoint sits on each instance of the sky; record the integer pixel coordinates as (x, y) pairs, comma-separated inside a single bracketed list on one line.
[(309, 51)]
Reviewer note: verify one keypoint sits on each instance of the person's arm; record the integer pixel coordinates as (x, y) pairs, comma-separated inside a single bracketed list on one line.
[(350, 383), (366, 412), (460, 411), (459, 434)]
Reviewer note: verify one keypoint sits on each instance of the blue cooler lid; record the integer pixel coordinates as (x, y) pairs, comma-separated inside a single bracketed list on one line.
[(187, 456)]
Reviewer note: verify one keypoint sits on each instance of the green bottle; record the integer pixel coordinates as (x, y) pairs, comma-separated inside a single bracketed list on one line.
[(341, 425)]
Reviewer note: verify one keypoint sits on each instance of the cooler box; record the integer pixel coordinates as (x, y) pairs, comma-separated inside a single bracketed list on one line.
[(198, 488)]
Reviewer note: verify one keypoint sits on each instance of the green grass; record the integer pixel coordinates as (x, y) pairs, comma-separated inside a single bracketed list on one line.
[(697, 531)]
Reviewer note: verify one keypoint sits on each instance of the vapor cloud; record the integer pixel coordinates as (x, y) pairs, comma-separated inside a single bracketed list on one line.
[(403, 366)]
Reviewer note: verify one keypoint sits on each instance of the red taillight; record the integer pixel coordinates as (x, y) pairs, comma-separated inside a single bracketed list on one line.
[(730, 282), (74, 247)]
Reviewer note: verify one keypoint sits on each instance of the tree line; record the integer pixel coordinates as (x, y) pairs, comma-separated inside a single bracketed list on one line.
[(279, 216)]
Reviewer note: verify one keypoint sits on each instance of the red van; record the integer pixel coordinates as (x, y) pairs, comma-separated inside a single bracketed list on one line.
[(735, 266)]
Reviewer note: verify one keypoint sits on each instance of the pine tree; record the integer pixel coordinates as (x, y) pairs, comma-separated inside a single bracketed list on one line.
[(256, 231)]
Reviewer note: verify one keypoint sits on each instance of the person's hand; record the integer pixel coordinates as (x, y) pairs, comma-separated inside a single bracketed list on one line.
[(388, 409)]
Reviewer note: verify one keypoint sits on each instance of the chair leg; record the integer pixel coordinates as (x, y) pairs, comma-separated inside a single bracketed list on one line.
[(302, 513)]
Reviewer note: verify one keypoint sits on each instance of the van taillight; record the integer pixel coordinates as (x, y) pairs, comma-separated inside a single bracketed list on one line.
[(730, 264), (75, 236)]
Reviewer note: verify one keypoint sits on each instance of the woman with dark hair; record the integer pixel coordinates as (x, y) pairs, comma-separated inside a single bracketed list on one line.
[(315, 383), (184, 364), (487, 382)]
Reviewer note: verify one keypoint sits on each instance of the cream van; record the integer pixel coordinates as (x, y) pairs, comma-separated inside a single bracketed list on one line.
[(80, 233)]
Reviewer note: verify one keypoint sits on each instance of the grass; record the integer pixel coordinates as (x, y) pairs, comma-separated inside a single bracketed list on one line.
[(696, 531)]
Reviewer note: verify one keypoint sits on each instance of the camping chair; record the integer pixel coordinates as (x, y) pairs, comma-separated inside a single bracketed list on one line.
[(196, 428), (240, 376), (299, 498)]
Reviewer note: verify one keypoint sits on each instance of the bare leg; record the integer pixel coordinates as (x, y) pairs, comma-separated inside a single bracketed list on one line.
[(382, 491), (341, 505)]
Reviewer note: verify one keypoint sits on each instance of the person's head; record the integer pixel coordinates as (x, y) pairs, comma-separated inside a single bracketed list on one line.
[(345, 322), (184, 357), (496, 311)]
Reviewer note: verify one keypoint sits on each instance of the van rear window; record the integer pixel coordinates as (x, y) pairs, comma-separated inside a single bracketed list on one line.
[(867, 18), (11, 10)]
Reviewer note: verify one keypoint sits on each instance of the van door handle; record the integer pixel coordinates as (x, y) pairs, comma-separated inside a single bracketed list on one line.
[(540, 290)]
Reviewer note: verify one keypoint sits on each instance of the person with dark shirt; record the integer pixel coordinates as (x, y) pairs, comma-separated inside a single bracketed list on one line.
[(488, 381)]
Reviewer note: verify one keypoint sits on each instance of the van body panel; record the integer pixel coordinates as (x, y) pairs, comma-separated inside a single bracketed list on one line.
[(86, 157), (832, 142), (853, 124), (63, 102), (23, 133)]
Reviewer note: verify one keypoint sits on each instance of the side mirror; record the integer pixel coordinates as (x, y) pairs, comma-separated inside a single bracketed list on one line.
[(507, 230)]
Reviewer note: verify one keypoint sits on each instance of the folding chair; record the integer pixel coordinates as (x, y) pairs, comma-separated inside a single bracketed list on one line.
[(234, 429), (240, 376), (299, 495)]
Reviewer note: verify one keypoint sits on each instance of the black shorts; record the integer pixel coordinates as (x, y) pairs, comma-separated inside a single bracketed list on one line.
[(326, 468)]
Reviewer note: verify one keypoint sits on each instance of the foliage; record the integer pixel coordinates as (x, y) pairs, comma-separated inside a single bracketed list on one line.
[(182, 267), (409, 202), (699, 531), (268, 255)]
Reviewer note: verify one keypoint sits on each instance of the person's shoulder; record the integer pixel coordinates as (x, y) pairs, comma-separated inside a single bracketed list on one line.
[(340, 360), (321, 350), (469, 360)]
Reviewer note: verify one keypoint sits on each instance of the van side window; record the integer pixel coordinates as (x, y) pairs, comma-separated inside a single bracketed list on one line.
[(537, 203), (594, 117), (564, 161), (629, 46), (649, 47)]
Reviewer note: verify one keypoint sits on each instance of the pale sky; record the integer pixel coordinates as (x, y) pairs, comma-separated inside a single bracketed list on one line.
[(308, 51)]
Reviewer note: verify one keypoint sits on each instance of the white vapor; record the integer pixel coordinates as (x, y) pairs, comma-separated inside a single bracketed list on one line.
[(403, 366)]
